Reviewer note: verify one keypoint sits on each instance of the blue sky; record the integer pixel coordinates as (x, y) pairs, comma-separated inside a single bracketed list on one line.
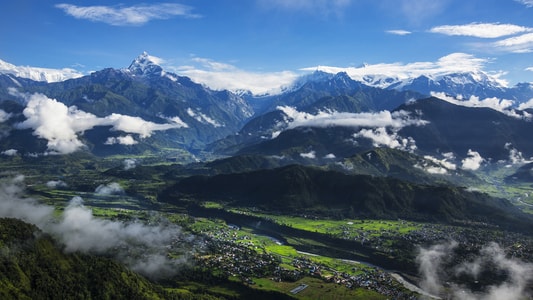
[(271, 41)]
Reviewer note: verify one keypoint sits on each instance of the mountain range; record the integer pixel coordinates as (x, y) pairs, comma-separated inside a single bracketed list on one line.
[(322, 117)]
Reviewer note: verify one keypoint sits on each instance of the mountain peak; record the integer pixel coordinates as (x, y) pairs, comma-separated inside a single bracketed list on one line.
[(146, 64)]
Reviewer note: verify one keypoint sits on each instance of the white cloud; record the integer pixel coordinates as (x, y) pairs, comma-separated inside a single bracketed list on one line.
[(330, 156), (434, 261), (60, 125), (473, 161), (381, 137), (129, 163), (4, 116), (53, 184), (481, 30), (528, 3), (13, 204), (517, 44), (134, 125), (381, 127), (127, 15), (396, 120), (112, 188), (429, 261), (442, 162), (122, 140), (56, 123), (10, 152), (502, 105), (448, 155), (515, 156), (310, 155), (439, 166), (398, 32), (433, 169), (220, 76), (529, 69), (452, 63), (202, 118), (526, 105), (144, 248), (177, 120)]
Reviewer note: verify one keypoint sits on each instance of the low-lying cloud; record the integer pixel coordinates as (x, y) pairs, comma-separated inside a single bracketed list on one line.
[(473, 161), (112, 188), (432, 261), (502, 105), (61, 125), (54, 184), (10, 152), (129, 163), (127, 140), (382, 137), (202, 118), (309, 155), (398, 119), (437, 166), (142, 247), (515, 156), (527, 104), (4, 116), (380, 127)]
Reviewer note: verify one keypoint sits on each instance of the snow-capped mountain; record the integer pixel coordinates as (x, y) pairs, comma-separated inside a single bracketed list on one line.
[(136, 109), (456, 84), (39, 74), (190, 116), (456, 78), (462, 85)]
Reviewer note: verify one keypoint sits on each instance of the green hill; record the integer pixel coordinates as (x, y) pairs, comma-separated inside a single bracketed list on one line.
[(298, 189), (32, 266)]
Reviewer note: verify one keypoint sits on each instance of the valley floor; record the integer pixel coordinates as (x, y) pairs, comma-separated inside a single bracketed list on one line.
[(241, 251)]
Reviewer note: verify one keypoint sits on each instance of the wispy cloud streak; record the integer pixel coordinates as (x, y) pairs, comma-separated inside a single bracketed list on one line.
[(398, 32), (481, 30), (127, 15), (516, 44)]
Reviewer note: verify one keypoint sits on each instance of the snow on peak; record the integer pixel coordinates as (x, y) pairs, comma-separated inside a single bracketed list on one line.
[(39, 74), (146, 64), (392, 75), (477, 77)]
